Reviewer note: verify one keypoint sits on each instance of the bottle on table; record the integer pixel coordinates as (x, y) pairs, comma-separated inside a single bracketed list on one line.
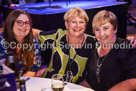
[(22, 85), (12, 65)]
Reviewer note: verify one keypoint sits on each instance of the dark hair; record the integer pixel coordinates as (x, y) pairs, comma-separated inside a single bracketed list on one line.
[(26, 55)]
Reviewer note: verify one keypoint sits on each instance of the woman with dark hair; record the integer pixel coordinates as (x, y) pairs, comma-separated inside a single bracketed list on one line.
[(17, 38)]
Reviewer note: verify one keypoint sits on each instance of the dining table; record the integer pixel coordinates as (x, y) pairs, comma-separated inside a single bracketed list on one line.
[(37, 84)]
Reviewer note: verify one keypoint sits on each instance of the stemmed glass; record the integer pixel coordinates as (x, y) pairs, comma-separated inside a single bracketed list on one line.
[(57, 82)]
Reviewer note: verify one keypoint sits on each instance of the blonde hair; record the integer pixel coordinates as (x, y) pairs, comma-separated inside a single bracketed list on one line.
[(74, 12), (104, 17)]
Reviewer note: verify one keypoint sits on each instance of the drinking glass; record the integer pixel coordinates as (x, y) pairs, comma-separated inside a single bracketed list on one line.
[(57, 82)]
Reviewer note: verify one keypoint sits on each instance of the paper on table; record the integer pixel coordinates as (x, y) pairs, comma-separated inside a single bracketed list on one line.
[(77, 89)]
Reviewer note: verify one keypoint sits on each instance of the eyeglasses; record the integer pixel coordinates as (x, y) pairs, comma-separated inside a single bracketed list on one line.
[(77, 22), (21, 23)]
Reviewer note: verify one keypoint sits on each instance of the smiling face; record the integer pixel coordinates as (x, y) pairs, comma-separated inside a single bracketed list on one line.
[(106, 33), (21, 27), (104, 26), (75, 21), (76, 26)]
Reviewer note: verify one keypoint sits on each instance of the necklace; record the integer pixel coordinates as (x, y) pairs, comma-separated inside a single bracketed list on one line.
[(98, 66), (70, 62), (76, 45), (69, 74)]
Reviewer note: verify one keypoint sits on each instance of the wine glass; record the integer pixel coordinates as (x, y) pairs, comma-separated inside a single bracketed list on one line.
[(57, 82)]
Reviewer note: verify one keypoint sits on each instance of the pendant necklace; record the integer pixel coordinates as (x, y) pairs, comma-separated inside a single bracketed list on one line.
[(98, 66), (69, 74)]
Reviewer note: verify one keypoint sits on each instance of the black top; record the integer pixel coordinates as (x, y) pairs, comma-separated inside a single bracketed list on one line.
[(118, 65), (65, 58)]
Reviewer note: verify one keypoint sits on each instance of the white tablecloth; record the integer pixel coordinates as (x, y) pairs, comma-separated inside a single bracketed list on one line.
[(36, 83)]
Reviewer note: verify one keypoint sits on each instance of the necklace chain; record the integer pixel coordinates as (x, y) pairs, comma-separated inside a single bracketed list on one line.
[(70, 62), (69, 74), (98, 66), (76, 44)]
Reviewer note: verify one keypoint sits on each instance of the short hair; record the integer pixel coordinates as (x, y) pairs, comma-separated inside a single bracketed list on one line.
[(104, 17), (74, 12)]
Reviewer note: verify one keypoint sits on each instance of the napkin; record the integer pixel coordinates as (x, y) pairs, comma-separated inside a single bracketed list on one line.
[(77, 89)]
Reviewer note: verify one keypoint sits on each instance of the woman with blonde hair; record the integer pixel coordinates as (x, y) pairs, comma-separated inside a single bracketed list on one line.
[(111, 66), (71, 47)]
